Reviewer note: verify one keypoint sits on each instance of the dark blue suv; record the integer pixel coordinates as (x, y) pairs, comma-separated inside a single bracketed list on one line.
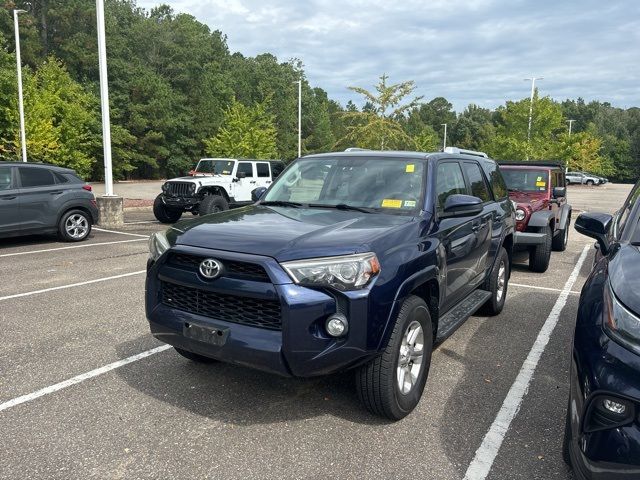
[(602, 435), (358, 260)]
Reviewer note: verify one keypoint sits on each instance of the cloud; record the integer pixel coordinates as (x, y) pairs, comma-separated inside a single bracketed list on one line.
[(469, 51)]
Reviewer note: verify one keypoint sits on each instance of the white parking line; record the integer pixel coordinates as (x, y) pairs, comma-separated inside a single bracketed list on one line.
[(535, 287), (486, 453), (141, 222), (62, 287), (86, 245), (81, 378), (121, 233)]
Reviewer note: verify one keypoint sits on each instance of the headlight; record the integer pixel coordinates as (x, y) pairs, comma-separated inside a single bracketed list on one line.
[(165, 187), (192, 187), (621, 324), (348, 272), (158, 244), (520, 214)]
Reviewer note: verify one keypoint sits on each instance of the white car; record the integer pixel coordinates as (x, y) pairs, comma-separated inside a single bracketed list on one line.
[(215, 185), (583, 178)]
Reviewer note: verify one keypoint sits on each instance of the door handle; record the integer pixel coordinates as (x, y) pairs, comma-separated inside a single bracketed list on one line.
[(252, 181), (6, 197), (475, 228), (57, 192)]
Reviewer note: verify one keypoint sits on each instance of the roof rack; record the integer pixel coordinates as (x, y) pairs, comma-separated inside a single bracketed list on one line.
[(356, 149), (532, 163), (465, 152)]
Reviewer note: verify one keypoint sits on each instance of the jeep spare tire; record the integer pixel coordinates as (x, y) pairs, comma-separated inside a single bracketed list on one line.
[(163, 213), (213, 204)]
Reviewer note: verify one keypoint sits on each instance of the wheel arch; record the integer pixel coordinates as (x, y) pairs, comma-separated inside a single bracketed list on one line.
[(67, 208), (214, 190)]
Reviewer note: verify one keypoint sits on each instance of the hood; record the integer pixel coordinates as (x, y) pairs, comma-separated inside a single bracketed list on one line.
[(199, 178), (534, 200), (292, 233), (624, 275)]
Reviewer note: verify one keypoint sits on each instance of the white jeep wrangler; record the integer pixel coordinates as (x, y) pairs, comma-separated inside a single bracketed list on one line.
[(215, 185)]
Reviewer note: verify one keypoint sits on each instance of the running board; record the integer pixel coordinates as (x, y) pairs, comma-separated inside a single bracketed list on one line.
[(460, 313)]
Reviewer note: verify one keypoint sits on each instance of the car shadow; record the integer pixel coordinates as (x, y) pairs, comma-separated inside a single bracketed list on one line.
[(242, 396), (31, 240)]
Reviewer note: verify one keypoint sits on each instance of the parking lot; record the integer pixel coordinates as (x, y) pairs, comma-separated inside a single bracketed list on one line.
[(86, 392)]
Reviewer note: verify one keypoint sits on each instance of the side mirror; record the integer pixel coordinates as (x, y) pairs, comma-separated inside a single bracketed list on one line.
[(596, 225), (240, 175), (458, 205), (559, 192), (258, 193)]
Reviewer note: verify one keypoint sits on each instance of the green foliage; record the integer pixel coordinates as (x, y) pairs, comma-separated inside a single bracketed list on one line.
[(247, 132), (427, 140)]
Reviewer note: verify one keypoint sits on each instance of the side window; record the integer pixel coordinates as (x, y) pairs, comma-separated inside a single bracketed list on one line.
[(496, 181), (449, 181), (246, 168), (476, 181), (5, 178), (60, 178), (625, 212), (263, 169), (36, 177)]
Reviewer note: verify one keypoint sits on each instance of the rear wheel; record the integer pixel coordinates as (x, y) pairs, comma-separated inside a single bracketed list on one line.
[(540, 255), (164, 214), (213, 204), (74, 226), (561, 239), (391, 385), (497, 284), (194, 357)]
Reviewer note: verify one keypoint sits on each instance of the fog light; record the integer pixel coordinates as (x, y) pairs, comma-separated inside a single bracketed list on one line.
[(614, 407), (337, 325)]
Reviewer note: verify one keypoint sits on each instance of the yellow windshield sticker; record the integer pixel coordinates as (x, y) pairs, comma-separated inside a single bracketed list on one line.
[(541, 184), (410, 203), (410, 168), (390, 203)]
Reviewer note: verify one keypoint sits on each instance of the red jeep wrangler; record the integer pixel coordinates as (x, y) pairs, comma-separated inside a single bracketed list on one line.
[(543, 215)]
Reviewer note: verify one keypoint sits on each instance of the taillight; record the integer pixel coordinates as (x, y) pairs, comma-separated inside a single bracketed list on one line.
[(88, 188)]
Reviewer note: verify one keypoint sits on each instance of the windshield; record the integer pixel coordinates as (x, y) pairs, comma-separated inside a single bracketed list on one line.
[(383, 184), (525, 180), (215, 167)]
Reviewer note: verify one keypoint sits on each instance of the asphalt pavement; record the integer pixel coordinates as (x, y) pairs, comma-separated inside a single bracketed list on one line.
[(85, 392)]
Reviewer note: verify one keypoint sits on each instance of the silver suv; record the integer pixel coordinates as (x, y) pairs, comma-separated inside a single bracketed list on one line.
[(583, 178)]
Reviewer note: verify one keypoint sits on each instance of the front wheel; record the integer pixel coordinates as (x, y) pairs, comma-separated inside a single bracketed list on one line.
[(497, 284), (590, 183), (164, 214), (391, 385), (213, 204), (74, 226), (540, 255)]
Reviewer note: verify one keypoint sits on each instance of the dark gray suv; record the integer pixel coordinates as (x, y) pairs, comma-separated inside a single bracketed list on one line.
[(37, 198)]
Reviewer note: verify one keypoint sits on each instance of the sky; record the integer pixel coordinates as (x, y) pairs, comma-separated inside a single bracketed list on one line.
[(468, 51)]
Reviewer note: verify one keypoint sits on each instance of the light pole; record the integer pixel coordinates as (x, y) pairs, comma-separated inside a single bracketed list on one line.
[(570, 122), (299, 82), (23, 140), (104, 100), (533, 89), (444, 142)]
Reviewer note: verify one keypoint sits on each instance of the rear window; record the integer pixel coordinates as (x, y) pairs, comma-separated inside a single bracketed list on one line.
[(496, 181), (36, 177), (263, 169), (476, 181), (525, 179), (5, 178)]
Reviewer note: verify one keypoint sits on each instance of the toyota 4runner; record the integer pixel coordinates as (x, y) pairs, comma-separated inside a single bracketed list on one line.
[(543, 215), (358, 260), (215, 185)]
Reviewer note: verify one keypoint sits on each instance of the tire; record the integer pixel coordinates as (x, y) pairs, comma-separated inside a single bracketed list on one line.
[(164, 214), (194, 357), (590, 183), (213, 204), (378, 382), (497, 284), (540, 255), (560, 241), (74, 226)]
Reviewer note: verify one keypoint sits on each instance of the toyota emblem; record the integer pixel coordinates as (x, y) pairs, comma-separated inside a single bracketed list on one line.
[(210, 268)]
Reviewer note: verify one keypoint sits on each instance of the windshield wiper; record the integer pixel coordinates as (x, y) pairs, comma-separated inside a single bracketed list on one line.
[(281, 203), (344, 206), (515, 190)]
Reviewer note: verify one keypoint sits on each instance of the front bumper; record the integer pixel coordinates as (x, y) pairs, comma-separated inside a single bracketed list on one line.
[(529, 238), (300, 347), (601, 366), (177, 201)]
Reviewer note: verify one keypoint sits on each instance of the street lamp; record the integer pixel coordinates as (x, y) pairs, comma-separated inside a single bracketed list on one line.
[(444, 142), (533, 88), (570, 122), (299, 82), (23, 140), (104, 100)]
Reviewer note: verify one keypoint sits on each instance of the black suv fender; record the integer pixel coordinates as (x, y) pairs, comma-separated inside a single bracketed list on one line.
[(565, 215), (541, 219), (213, 191)]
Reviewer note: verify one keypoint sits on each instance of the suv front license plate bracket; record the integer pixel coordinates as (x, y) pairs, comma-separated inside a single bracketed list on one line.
[(210, 334)]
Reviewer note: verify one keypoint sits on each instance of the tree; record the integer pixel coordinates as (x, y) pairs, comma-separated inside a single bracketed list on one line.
[(378, 126), (247, 132), (428, 140)]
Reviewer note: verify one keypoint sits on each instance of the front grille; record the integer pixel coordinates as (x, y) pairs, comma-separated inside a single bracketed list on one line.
[(181, 189), (232, 268), (229, 308)]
